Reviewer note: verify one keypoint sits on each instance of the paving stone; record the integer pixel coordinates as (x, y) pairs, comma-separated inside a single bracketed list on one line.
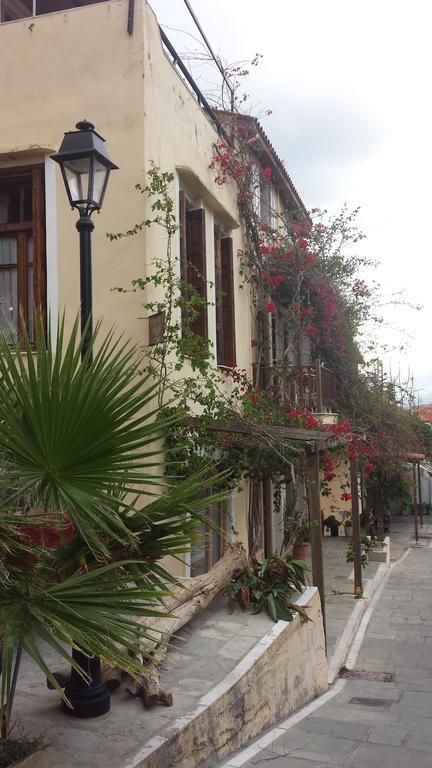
[(398, 639), (388, 734), (345, 729), (368, 755)]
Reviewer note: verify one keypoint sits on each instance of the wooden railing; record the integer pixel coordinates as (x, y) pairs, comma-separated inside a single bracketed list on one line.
[(306, 386)]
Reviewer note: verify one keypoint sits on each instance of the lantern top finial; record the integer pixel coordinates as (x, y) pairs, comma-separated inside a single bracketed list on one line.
[(85, 125)]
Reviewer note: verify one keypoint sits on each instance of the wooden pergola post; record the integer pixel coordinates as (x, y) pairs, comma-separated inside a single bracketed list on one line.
[(355, 512), (415, 509), (314, 496), (420, 500)]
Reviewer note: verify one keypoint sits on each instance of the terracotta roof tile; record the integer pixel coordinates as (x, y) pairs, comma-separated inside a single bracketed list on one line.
[(425, 412)]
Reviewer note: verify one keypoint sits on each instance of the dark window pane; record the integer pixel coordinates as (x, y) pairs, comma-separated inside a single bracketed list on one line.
[(16, 9), (50, 6), (28, 203), (9, 206)]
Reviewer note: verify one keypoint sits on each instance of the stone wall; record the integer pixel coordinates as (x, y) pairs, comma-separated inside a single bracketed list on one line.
[(284, 671)]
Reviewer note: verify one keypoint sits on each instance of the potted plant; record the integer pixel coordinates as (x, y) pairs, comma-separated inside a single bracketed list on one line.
[(302, 541), (270, 585), (332, 524), (348, 527)]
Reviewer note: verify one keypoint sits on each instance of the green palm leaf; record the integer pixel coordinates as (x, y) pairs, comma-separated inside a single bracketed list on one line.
[(83, 441), (76, 434)]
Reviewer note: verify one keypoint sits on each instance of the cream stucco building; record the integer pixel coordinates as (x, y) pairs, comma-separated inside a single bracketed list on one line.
[(107, 62)]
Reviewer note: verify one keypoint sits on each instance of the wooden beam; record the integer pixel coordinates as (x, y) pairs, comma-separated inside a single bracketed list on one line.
[(358, 576), (249, 428), (415, 509), (420, 494), (314, 498)]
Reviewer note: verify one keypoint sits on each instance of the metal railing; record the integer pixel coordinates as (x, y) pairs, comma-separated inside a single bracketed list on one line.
[(307, 386), (201, 99)]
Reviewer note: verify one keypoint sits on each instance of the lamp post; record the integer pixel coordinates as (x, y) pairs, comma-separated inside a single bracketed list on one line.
[(85, 167)]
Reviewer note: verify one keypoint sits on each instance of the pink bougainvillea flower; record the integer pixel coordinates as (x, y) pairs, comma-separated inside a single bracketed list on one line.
[(346, 496), (270, 307), (267, 172), (277, 280)]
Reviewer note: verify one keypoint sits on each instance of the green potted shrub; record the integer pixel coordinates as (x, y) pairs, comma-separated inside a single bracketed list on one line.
[(347, 524), (302, 542), (270, 585)]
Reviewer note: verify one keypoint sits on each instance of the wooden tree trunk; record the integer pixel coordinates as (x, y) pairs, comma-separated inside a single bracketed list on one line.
[(185, 602)]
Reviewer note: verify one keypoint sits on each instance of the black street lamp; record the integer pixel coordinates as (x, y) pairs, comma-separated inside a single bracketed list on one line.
[(85, 167)]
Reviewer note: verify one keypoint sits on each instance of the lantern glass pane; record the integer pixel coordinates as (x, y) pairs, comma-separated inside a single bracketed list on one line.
[(77, 174), (100, 178)]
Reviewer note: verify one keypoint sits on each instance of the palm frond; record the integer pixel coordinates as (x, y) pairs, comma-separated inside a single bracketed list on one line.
[(76, 434)]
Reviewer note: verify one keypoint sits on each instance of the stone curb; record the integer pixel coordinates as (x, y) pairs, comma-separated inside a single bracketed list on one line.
[(343, 646)]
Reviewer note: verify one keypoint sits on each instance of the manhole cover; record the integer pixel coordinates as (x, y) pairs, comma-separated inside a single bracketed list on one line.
[(371, 702), (359, 674)]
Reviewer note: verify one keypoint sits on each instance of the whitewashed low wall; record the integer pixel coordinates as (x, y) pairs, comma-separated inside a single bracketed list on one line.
[(284, 671)]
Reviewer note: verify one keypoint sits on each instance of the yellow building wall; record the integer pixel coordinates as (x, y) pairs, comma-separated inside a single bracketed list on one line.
[(62, 67), (333, 504)]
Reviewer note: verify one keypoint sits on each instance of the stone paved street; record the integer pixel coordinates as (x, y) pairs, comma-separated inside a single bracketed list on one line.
[(370, 723)]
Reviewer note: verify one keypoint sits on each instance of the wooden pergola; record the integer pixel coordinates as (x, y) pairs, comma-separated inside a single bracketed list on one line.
[(312, 443), (415, 459)]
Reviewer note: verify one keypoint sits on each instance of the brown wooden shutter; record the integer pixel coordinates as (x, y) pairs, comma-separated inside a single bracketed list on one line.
[(39, 263), (219, 295), (228, 311), (183, 255), (196, 265)]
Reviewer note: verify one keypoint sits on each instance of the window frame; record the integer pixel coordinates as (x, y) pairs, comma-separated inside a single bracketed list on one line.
[(20, 177)]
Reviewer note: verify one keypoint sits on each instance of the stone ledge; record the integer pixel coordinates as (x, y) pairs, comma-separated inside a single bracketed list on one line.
[(284, 671), (381, 554), (43, 758)]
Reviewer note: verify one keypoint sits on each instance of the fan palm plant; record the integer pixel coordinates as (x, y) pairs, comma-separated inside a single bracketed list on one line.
[(80, 449)]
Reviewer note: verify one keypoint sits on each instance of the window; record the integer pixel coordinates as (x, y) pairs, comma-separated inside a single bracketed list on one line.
[(268, 205), (193, 263), (22, 248), (211, 545), (11, 10), (225, 313)]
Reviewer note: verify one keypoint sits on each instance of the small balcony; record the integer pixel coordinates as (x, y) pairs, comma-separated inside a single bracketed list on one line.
[(300, 386)]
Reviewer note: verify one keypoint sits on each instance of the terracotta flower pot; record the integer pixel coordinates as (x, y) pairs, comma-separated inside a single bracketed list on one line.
[(300, 551)]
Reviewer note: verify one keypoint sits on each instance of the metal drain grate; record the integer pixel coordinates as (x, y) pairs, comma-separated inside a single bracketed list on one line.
[(371, 702), (359, 674)]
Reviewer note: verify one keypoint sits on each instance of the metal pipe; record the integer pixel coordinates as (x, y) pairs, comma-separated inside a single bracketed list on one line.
[(213, 55)]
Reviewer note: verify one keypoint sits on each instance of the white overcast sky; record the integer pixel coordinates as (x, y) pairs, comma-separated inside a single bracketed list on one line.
[(349, 84)]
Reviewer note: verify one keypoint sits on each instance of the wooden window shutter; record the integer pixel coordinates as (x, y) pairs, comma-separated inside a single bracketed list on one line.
[(183, 254), (183, 249), (39, 261), (219, 295), (228, 310), (196, 266)]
